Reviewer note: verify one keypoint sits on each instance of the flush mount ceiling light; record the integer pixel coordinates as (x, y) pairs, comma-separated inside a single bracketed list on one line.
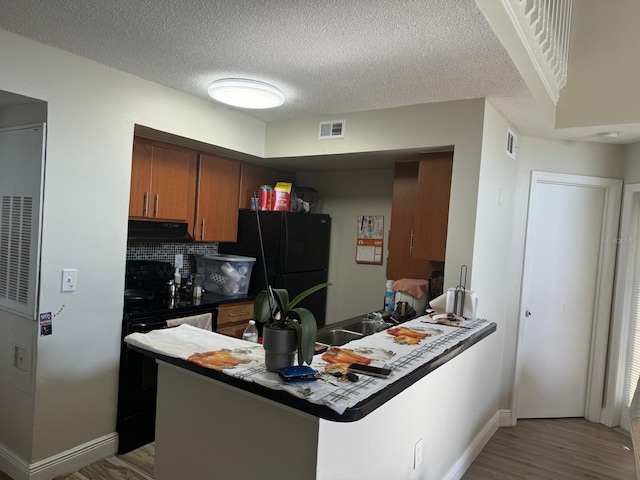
[(244, 93)]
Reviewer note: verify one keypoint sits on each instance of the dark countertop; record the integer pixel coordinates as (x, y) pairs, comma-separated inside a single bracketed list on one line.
[(183, 304), (352, 414)]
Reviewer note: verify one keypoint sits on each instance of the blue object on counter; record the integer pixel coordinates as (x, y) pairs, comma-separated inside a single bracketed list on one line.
[(389, 297)]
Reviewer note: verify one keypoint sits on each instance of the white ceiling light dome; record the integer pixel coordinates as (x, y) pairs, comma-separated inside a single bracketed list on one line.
[(245, 93)]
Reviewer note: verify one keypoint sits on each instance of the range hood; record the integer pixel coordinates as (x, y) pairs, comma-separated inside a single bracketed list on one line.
[(156, 231)]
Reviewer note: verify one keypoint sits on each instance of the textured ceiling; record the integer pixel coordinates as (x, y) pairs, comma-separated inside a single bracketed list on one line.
[(328, 57)]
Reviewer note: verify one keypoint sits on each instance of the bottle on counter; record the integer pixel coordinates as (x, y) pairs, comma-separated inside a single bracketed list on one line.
[(251, 332), (389, 297), (177, 278)]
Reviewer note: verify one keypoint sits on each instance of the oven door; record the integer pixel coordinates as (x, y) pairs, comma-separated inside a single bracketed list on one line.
[(136, 418)]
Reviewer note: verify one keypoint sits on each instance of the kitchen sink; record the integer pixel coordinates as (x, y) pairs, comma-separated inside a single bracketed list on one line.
[(365, 326), (337, 336)]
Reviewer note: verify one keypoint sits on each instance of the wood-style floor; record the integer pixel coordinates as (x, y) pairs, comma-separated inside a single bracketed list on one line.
[(556, 449)]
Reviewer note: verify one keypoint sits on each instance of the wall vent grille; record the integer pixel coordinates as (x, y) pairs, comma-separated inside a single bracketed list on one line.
[(332, 129), (512, 144), (16, 222)]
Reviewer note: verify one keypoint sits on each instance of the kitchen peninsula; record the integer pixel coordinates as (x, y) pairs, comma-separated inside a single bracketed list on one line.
[(246, 422)]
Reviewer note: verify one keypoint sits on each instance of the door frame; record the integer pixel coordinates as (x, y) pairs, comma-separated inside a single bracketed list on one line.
[(604, 286), (621, 317)]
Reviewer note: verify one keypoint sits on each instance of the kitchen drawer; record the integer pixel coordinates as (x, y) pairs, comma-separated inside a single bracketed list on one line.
[(233, 318), (234, 312), (234, 330)]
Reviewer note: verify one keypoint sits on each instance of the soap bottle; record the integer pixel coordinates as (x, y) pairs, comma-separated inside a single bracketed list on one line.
[(389, 296), (251, 332)]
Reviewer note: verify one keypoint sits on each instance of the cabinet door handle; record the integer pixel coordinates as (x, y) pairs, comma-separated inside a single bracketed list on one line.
[(156, 205), (145, 208), (202, 230), (411, 243), (238, 314)]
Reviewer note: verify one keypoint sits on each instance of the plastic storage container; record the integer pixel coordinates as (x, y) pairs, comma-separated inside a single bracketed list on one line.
[(225, 274)]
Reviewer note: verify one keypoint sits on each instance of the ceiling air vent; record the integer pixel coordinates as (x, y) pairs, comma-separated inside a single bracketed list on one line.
[(332, 129), (512, 142)]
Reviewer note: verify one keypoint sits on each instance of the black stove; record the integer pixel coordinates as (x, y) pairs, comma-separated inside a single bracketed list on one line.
[(145, 297), (147, 308)]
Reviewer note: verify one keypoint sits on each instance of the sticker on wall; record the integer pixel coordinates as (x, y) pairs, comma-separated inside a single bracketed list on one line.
[(369, 244), (45, 324)]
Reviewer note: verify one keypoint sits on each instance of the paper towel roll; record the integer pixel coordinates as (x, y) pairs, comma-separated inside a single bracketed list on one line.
[(445, 303)]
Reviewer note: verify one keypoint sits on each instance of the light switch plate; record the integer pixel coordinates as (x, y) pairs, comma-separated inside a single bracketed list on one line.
[(178, 261), (69, 279)]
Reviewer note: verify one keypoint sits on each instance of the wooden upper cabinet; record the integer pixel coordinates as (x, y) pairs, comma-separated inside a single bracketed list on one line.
[(140, 180), (217, 199), (400, 263), (163, 181), (253, 175), (419, 216), (432, 206)]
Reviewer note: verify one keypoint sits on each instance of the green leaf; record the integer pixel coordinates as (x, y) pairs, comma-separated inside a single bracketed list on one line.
[(307, 336), (261, 307), (300, 319)]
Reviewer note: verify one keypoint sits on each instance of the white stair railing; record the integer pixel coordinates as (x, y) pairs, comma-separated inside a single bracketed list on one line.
[(544, 27)]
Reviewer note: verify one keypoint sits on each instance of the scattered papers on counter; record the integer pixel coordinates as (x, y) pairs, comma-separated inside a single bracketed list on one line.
[(403, 349)]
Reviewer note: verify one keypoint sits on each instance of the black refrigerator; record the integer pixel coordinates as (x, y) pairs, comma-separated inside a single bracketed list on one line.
[(296, 253)]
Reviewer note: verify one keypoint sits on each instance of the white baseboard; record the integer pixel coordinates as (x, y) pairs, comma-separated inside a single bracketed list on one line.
[(13, 465), (66, 462), (466, 459), (504, 418)]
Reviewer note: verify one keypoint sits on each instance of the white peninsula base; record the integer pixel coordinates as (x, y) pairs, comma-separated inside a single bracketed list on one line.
[(206, 429)]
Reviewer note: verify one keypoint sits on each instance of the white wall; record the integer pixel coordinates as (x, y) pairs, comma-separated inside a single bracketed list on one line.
[(492, 243), (592, 159), (91, 113), (603, 34), (357, 288), (23, 114), (632, 163), (457, 124)]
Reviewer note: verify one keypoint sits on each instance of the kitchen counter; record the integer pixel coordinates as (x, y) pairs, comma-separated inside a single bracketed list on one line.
[(355, 412), (222, 426)]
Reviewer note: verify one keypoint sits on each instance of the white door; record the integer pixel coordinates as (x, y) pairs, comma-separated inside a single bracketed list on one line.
[(563, 295)]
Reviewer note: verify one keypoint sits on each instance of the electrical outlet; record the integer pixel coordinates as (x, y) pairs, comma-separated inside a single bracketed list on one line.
[(178, 261), (417, 454), (69, 279)]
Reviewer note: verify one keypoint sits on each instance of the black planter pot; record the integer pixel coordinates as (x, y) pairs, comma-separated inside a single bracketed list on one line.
[(280, 347)]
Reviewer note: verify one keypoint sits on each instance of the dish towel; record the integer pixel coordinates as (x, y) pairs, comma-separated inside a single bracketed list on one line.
[(201, 321), (416, 287)]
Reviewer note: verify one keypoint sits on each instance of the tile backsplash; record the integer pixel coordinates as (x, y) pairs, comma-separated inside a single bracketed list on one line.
[(165, 252)]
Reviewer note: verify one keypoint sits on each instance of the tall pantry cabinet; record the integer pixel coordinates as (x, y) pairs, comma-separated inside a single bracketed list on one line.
[(419, 216)]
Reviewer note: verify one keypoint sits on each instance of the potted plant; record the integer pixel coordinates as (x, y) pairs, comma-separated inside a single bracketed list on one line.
[(287, 328)]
